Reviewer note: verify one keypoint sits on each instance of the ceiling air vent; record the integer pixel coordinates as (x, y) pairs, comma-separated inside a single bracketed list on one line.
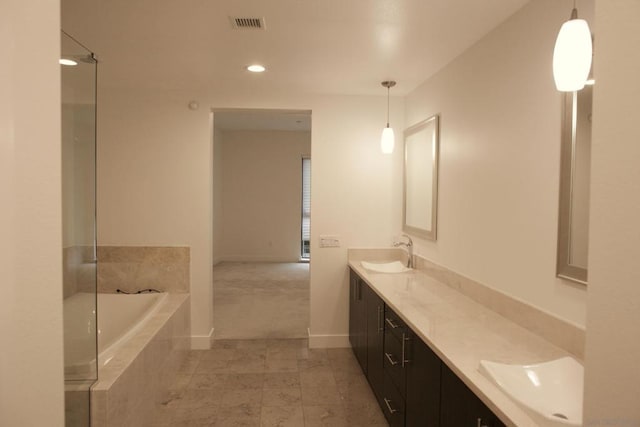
[(241, 23)]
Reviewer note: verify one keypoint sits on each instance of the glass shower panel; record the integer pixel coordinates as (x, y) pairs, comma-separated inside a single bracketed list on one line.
[(78, 74)]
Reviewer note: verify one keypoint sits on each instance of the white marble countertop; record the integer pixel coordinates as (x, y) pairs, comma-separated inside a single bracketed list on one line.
[(462, 333)]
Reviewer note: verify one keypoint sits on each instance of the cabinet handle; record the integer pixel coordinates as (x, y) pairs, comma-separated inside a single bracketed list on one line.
[(390, 322), (388, 403), (404, 341), (390, 359), (380, 324), (480, 423)]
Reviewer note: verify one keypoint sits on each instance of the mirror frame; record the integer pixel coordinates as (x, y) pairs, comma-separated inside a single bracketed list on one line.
[(419, 232), (564, 269)]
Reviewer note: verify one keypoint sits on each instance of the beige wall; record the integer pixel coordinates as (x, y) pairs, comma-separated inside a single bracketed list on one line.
[(613, 348), (499, 161), (155, 183), (31, 359), (262, 194)]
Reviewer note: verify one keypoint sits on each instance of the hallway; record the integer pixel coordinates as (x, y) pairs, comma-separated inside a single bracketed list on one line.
[(260, 300)]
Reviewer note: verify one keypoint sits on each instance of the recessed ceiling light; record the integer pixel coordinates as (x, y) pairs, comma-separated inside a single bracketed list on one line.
[(256, 68), (69, 62)]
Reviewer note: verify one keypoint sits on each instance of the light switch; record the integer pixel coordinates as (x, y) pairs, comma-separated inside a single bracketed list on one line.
[(329, 241)]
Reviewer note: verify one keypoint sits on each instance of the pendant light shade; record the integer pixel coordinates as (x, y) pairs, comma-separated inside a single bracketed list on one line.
[(387, 140), (572, 54)]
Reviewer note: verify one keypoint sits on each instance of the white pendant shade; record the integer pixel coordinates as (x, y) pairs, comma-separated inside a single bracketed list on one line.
[(387, 141), (572, 55)]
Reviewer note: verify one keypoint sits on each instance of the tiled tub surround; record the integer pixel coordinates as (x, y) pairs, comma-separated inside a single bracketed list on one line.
[(459, 330), (132, 385), (132, 268)]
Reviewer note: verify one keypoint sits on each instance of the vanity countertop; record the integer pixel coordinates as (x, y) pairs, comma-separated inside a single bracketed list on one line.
[(462, 332)]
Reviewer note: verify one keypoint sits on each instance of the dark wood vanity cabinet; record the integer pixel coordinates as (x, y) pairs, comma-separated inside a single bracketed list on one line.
[(413, 386)]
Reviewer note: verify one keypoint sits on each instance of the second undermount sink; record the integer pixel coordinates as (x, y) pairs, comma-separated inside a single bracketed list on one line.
[(551, 390), (385, 267)]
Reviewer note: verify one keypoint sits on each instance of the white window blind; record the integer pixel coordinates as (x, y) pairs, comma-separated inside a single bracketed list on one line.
[(306, 199)]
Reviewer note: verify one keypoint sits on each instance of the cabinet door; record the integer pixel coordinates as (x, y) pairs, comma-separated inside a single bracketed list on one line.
[(358, 320), (422, 400), (460, 407), (375, 339)]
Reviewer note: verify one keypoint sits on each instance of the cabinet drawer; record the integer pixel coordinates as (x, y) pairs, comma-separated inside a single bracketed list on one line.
[(394, 324), (392, 403), (392, 359)]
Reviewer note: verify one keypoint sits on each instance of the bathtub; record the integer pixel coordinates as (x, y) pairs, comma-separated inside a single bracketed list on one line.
[(119, 318), (142, 340)]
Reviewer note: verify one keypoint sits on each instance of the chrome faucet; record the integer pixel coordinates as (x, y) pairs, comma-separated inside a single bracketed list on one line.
[(409, 247)]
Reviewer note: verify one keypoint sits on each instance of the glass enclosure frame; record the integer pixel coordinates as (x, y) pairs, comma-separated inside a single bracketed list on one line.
[(78, 145)]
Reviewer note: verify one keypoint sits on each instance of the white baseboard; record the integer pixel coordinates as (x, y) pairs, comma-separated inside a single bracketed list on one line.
[(202, 342), (328, 341), (258, 258)]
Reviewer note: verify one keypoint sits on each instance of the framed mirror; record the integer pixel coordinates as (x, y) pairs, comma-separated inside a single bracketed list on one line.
[(575, 173), (420, 205)]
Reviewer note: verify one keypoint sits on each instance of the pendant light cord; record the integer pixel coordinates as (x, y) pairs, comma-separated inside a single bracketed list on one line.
[(388, 88)]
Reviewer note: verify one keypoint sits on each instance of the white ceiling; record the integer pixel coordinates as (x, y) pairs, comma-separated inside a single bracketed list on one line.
[(309, 46)]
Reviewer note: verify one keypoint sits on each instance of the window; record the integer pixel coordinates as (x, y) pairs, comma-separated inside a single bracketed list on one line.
[(306, 209)]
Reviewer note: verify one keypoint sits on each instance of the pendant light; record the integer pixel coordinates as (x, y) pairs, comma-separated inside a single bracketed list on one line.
[(572, 54), (387, 140)]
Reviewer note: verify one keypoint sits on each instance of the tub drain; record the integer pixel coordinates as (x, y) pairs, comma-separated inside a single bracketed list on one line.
[(562, 416)]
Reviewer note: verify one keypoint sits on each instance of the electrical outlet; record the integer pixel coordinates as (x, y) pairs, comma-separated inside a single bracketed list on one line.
[(329, 241)]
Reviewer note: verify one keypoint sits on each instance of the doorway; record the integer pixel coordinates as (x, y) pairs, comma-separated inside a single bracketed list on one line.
[(261, 221)]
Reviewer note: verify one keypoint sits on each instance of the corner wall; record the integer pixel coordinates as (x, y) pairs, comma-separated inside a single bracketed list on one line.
[(500, 121), (31, 390), (613, 324)]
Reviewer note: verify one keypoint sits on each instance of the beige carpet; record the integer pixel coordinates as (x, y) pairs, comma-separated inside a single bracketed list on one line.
[(260, 300)]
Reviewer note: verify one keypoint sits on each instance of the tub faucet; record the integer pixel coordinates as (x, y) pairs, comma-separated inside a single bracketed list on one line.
[(409, 247)]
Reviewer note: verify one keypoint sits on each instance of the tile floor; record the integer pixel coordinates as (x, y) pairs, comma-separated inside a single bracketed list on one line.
[(260, 300), (270, 383)]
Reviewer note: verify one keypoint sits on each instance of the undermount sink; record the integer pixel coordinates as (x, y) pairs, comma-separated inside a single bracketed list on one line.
[(385, 267), (551, 390)]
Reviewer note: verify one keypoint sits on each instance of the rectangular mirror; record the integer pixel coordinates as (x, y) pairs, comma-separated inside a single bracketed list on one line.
[(421, 178), (575, 173)]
